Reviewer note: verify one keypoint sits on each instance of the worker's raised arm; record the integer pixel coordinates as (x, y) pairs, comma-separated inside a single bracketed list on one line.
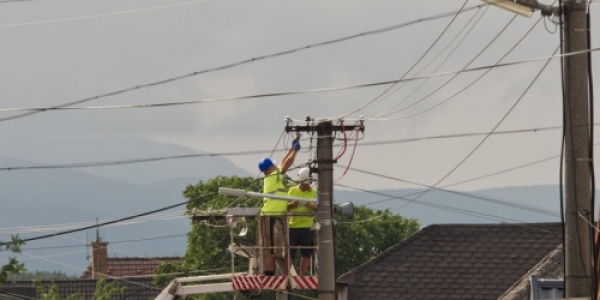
[(290, 156)]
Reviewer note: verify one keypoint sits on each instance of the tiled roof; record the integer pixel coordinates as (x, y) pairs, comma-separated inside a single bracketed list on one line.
[(132, 266), (455, 262), (137, 288)]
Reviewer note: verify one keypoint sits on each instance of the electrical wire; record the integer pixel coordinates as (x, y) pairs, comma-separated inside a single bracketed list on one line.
[(254, 152), (52, 228), (380, 96), (103, 223), (110, 14), (493, 129), (395, 111), (423, 82), (288, 93), (437, 206), (351, 157), (243, 62), (170, 236), (442, 189)]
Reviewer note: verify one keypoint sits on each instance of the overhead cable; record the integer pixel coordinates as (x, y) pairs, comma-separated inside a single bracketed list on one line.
[(254, 152), (491, 131), (288, 93), (251, 60), (381, 95), (448, 81), (469, 195), (101, 224), (97, 15), (438, 206)]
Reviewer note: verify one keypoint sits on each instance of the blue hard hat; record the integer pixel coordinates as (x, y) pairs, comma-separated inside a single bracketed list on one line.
[(265, 164)]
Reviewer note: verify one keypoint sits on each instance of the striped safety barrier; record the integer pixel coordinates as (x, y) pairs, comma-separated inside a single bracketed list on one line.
[(304, 282), (259, 282)]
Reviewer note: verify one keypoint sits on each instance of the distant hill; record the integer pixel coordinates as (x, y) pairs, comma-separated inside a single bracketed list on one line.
[(529, 204), (102, 149), (61, 196)]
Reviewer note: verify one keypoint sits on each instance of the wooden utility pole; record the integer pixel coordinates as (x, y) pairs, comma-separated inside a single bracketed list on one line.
[(579, 281)]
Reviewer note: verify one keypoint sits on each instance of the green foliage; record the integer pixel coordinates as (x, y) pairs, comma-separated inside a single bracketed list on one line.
[(41, 275), (208, 241), (46, 292), (50, 292), (106, 290), (368, 234), (13, 266)]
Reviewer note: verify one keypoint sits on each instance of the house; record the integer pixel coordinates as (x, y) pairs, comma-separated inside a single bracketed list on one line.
[(475, 261), (136, 273), (102, 265)]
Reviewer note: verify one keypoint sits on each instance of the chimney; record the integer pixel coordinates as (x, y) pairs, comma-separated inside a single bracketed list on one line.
[(99, 258)]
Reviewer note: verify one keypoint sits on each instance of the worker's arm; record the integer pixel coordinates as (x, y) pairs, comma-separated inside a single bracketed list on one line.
[(311, 206), (292, 204), (289, 157)]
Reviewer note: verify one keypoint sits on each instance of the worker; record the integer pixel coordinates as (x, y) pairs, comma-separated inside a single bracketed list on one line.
[(300, 225), (273, 222)]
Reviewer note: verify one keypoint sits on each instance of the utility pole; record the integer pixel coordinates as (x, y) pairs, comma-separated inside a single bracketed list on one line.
[(326, 235), (579, 281)]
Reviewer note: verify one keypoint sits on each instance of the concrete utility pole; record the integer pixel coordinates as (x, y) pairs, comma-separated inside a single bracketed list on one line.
[(325, 206), (326, 254), (579, 281)]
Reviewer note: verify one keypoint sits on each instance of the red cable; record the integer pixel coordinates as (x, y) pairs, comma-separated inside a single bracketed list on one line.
[(351, 156), (345, 141)]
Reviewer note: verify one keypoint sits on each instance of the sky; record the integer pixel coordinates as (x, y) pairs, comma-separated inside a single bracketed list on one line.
[(238, 69)]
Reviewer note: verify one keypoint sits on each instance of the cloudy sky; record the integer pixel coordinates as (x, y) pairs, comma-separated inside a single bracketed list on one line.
[(237, 69), (59, 52)]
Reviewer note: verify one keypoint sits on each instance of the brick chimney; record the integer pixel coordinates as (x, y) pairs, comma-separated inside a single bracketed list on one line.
[(99, 258)]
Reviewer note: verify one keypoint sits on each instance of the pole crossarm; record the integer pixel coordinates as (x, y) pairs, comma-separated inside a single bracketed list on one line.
[(321, 128)]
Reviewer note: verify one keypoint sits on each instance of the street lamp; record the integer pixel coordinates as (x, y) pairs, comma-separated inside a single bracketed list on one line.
[(524, 7), (512, 6)]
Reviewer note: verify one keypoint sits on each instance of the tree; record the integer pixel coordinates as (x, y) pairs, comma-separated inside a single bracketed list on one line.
[(41, 275), (50, 292), (13, 266), (368, 234), (104, 291)]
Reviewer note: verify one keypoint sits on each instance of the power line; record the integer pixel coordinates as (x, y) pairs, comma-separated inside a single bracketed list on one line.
[(33, 110), (395, 109), (243, 62), (102, 223), (383, 94), (254, 152), (491, 131), (487, 199), (112, 242), (51, 228), (438, 206), (97, 15)]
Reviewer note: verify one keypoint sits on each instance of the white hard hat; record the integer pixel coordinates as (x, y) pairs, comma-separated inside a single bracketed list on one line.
[(304, 175)]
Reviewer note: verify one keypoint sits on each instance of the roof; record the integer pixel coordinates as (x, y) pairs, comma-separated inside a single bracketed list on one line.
[(132, 266), (137, 288), (472, 261)]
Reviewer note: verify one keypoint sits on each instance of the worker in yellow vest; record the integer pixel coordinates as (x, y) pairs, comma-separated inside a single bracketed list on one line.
[(300, 226), (272, 221)]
